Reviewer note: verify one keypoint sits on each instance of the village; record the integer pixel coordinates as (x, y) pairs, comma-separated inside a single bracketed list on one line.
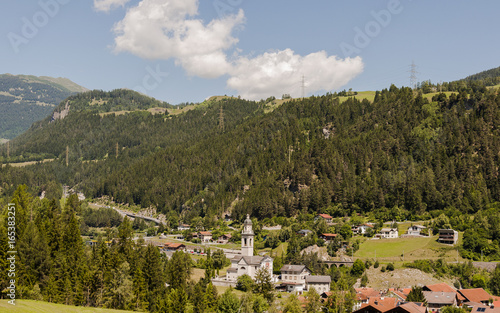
[(298, 279)]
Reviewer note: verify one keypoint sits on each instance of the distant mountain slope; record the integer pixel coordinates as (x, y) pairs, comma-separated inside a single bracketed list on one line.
[(25, 99), (491, 73)]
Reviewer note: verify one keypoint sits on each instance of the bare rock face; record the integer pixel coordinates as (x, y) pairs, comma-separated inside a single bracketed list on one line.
[(61, 115)]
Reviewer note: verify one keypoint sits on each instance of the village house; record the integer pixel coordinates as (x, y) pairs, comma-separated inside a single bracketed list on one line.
[(205, 236), (224, 238), (183, 227), (476, 295), (326, 217), (303, 232), (409, 307), (416, 230), (448, 236), (293, 277), (437, 300), (173, 246), (389, 233), (361, 229), (319, 283), (378, 305), (328, 237)]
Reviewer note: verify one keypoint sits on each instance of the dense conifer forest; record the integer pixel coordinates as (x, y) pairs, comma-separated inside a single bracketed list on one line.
[(403, 155)]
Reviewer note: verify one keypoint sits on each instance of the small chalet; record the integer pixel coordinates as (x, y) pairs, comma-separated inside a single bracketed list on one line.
[(448, 236), (224, 238), (437, 300), (389, 233), (477, 295), (328, 237), (409, 307), (318, 282), (304, 232), (173, 246), (205, 236), (361, 229), (378, 305), (416, 230), (326, 217), (183, 227)]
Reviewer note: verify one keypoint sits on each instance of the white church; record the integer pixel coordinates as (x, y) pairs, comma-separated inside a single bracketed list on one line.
[(247, 263)]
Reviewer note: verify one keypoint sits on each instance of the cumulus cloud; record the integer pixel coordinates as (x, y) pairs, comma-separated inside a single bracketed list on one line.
[(107, 5), (275, 73), (169, 29), (164, 29)]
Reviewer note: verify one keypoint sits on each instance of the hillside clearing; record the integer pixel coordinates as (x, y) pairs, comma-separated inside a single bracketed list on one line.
[(392, 250), (401, 278)]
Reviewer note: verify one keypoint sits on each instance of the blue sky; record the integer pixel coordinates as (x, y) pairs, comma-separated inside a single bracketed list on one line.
[(188, 50)]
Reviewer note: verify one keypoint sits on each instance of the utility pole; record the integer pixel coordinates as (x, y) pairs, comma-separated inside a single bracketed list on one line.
[(413, 75), (67, 156), (117, 150), (221, 119)]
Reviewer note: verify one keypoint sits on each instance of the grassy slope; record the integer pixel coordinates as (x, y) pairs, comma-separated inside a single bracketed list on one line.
[(30, 306), (391, 250)]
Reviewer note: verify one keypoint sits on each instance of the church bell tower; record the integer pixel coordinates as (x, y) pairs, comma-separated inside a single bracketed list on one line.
[(247, 238)]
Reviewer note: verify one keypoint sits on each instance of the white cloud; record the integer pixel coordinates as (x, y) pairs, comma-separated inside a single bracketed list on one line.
[(164, 29), (107, 5), (275, 73), (168, 29)]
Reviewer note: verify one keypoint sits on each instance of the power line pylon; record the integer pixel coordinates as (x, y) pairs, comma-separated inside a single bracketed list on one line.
[(413, 75)]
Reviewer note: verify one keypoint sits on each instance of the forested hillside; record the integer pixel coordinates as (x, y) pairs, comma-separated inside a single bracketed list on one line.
[(26, 99), (401, 150)]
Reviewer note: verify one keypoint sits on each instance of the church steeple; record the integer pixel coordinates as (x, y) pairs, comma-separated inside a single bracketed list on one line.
[(247, 238)]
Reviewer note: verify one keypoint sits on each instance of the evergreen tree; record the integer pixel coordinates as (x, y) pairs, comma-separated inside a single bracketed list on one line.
[(416, 295), (313, 301), (228, 302), (263, 284)]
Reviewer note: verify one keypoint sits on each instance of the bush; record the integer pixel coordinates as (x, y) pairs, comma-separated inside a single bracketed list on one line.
[(244, 283), (390, 267), (376, 265), (382, 269)]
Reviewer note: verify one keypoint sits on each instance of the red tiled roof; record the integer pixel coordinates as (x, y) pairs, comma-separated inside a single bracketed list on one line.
[(441, 287), (174, 245), (382, 304), (406, 291), (330, 235), (476, 294), (400, 294), (367, 292), (205, 233), (413, 307), (325, 216)]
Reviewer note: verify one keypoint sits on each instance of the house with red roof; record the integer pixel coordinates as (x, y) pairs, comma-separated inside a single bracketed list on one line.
[(326, 217), (378, 305), (477, 295), (205, 236)]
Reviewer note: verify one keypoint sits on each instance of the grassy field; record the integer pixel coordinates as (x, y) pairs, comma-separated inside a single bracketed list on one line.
[(368, 95), (432, 94), (23, 164), (391, 250), (30, 306)]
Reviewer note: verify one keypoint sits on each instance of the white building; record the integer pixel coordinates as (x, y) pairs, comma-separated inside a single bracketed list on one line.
[(416, 230), (294, 277), (247, 263), (318, 282), (389, 233)]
